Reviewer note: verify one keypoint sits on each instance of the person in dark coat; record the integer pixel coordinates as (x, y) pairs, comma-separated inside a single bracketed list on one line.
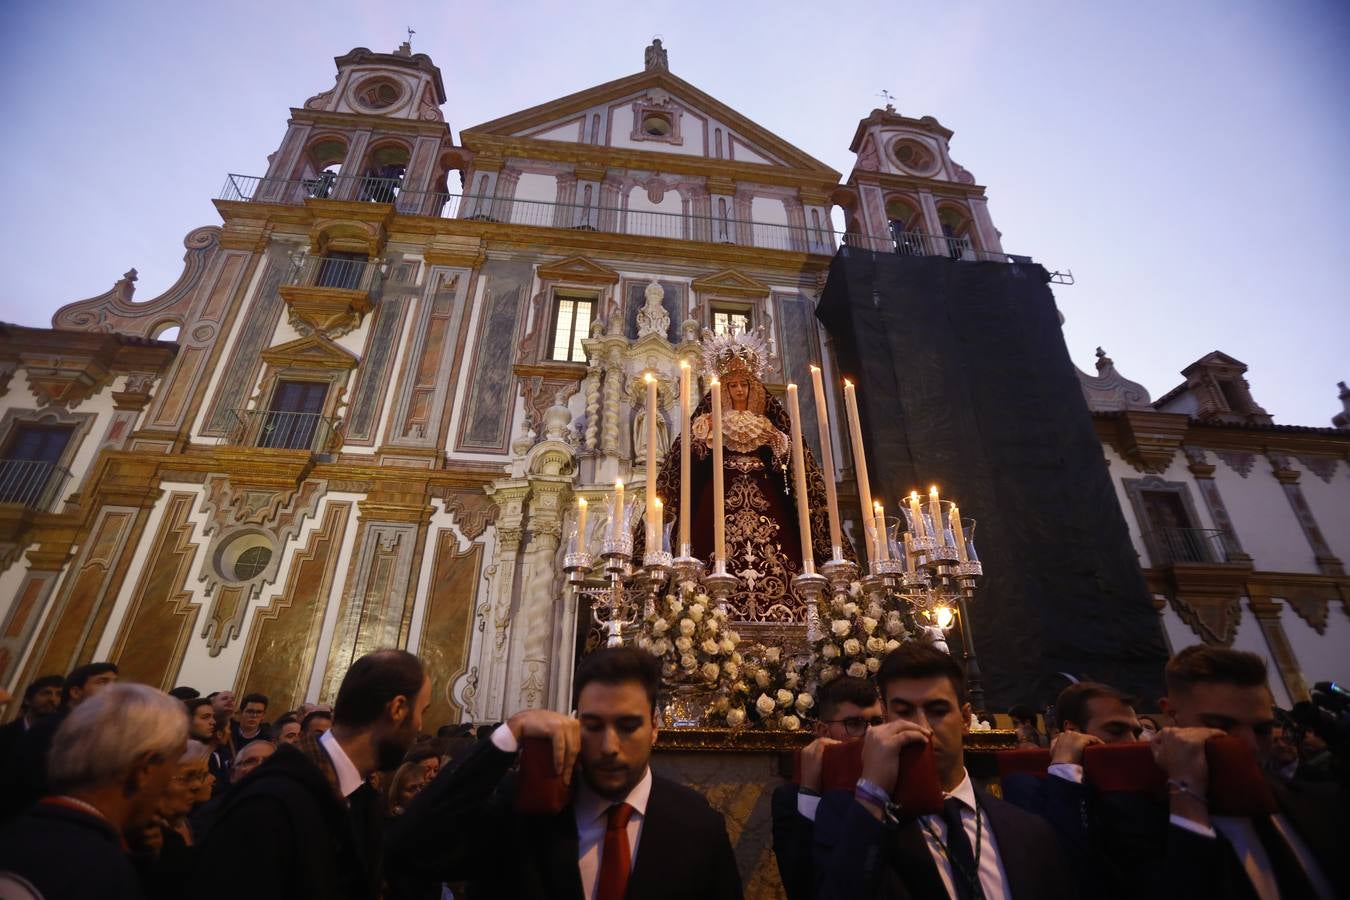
[(40, 699), (979, 846), (306, 823), (622, 832), (110, 763)]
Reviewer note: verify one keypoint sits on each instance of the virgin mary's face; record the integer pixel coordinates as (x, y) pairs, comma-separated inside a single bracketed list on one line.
[(738, 389)]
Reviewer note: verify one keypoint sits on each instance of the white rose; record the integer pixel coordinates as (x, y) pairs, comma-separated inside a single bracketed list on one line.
[(721, 705), (661, 647), (696, 612), (792, 679), (892, 645), (764, 704), (855, 588), (869, 624), (736, 717), (644, 643), (687, 661), (676, 607), (773, 654), (727, 646), (736, 656), (876, 645), (840, 627), (828, 674), (894, 625), (761, 678), (804, 702), (784, 697), (733, 671), (720, 614), (857, 670), (684, 644), (711, 625), (791, 723), (829, 651), (711, 671), (709, 647), (687, 626), (852, 647), (851, 609), (875, 611), (668, 670), (733, 637), (701, 598), (660, 627), (873, 664)]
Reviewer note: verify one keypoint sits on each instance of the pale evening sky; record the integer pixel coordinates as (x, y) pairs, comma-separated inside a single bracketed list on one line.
[(1188, 160)]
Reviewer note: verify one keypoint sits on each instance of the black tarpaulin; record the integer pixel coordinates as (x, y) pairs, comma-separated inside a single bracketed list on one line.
[(964, 381)]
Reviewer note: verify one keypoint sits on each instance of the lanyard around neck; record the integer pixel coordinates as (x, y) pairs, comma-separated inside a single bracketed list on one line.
[(972, 879)]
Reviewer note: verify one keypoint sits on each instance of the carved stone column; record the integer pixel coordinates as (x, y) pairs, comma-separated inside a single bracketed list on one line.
[(1267, 612), (509, 496)]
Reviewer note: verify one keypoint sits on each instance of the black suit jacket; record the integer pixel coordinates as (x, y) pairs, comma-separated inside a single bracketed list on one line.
[(793, 843), (462, 827), (859, 857), (68, 855)]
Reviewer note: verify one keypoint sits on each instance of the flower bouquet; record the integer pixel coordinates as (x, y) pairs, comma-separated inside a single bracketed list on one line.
[(854, 638), (773, 690), (698, 652)]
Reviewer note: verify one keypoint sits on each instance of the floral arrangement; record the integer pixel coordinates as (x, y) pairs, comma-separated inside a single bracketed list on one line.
[(690, 637), (774, 690), (854, 638)]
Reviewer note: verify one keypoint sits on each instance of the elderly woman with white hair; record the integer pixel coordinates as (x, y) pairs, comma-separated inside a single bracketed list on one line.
[(111, 761)]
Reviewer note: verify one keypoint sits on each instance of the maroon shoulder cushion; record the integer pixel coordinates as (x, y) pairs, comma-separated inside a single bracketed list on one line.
[(1117, 768), (1236, 785), (1031, 761), (916, 791), (841, 766), (540, 789)]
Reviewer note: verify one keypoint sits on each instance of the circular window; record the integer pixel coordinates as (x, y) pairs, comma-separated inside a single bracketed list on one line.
[(656, 126), (243, 557), (914, 156), (377, 93)]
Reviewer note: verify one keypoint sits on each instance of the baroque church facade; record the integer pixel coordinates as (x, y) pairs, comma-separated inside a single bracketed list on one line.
[(400, 358)]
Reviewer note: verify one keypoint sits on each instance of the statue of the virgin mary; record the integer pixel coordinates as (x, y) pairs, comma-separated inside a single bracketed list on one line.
[(763, 545)]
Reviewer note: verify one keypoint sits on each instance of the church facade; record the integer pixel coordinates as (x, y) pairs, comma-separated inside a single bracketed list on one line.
[(399, 359)]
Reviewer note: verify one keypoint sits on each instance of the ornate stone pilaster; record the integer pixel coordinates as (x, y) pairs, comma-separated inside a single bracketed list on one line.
[(1288, 477), (592, 395), (509, 495), (1203, 470), (609, 435), (1267, 613)]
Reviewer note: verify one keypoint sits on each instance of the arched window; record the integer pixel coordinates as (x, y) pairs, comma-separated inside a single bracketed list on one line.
[(383, 175), (905, 224), (956, 231), (323, 161)]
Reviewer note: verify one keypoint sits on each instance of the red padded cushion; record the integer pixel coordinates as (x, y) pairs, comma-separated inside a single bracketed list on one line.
[(916, 791), (1029, 761), (1236, 785), (540, 789)]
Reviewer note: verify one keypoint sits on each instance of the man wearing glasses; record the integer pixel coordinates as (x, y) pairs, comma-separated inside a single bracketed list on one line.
[(847, 708)]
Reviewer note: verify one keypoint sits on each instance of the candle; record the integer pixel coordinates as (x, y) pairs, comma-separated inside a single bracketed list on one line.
[(827, 465), (616, 524), (935, 513), (719, 499), (653, 523), (883, 543), (581, 525), (660, 524), (909, 553), (959, 534), (799, 482), (686, 438), (916, 515), (859, 455)]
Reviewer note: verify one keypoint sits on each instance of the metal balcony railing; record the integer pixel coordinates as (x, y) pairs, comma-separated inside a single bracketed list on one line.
[(326, 186), (279, 430), (334, 272), (1169, 546), (31, 483), (917, 243)]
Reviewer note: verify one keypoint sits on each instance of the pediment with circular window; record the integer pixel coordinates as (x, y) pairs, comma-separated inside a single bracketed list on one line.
[(914, 156)]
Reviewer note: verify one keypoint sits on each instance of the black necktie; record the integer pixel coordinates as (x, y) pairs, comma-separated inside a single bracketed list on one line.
[(965, 871), (1289, 874)]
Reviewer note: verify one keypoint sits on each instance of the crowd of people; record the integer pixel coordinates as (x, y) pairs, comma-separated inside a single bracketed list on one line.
[(119, 790)]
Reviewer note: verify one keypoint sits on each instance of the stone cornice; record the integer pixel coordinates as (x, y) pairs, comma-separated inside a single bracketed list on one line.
[(896, 182), (411, 127), (1258, 439)]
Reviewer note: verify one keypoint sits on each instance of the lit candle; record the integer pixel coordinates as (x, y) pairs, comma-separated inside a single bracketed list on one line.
[(959, 534), (719, 500), (653, 524), (686, 439), (935, 513), (581, 524), (660, 524), (909, 553), (916, 514), (827, 465), (859, 455), (616, 524), (799, 482), (883, 544)]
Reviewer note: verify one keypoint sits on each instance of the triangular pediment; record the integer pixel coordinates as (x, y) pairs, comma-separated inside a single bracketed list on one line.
[(313, 352), (578, 269), (604, 115), (732, 283)]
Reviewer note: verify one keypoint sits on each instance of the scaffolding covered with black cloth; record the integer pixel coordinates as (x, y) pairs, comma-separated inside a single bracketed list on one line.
[(964, 381)]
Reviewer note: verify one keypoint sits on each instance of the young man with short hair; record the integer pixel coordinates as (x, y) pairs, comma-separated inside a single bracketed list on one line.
[(40, 699), (249, 726), (315, 723), (624, 832), (286, 730), (979, 846)]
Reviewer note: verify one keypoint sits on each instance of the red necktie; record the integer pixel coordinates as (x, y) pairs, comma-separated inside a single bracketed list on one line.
[(616, 856)]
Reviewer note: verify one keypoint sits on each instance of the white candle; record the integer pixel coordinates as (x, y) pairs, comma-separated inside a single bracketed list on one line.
[(653, 524), (719, 499), (859, 455), (959, 534), (581, 525), (883, 542), (916, 514), (616, 525), (935, 513), (660, 524), (799, 482), (827, 464), (686, 438)]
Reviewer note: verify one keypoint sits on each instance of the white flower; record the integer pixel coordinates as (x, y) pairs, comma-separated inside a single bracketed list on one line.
[(828, 674), (719, 614), (676, 607), (829, 651), (721, 705), (668, 670), (855, 588), (687, 626), (644, 643), (837, 603), (852, 647), (684, 644), (773, 654), (687, 661), (661, 646), (840, 627), (851, 609), (892, 645), (660, 627), (761, 678), (857, 670), (733, 671), (710, 647), (736, 656), (711, 625), (727, 646), (711, 671), (736, 717), (894, 625), (869, 624), (873, 664), (733, 637), (791, 723), (876, 645), (804, 702), (874, 611), (764, 704), (792, 679), (696, 612), (783, 697)]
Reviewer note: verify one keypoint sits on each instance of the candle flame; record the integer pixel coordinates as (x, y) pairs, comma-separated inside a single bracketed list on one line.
[(932, 491), (847, 383), (648, 377), (716, 383), (913, 495), (659, 504), (581, 502), (876, 504), (814, 368), (791, 386), (944, 616), (618, 483), (684, 364)]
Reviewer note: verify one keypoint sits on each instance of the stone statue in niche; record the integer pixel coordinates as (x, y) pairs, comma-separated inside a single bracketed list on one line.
[(640, 434), (653, 318), (655, 58)]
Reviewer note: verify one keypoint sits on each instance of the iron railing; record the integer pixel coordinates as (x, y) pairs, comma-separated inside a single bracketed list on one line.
[(918, 243), (280, 430), (31, 483), (334, 272), (1169, 546), (325, 186)]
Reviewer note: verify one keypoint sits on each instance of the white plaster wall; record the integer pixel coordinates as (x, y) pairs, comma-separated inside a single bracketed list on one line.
[(1330, 505), (742, 152), (770, 216), (11, 579), (1322, 657), (639, 202), (1263, 519), (1249, 637), (570, 132), (534, 188)]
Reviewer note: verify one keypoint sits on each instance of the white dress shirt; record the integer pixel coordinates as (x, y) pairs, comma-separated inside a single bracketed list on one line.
[(592, 816), (993, 879), (348, 778)]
